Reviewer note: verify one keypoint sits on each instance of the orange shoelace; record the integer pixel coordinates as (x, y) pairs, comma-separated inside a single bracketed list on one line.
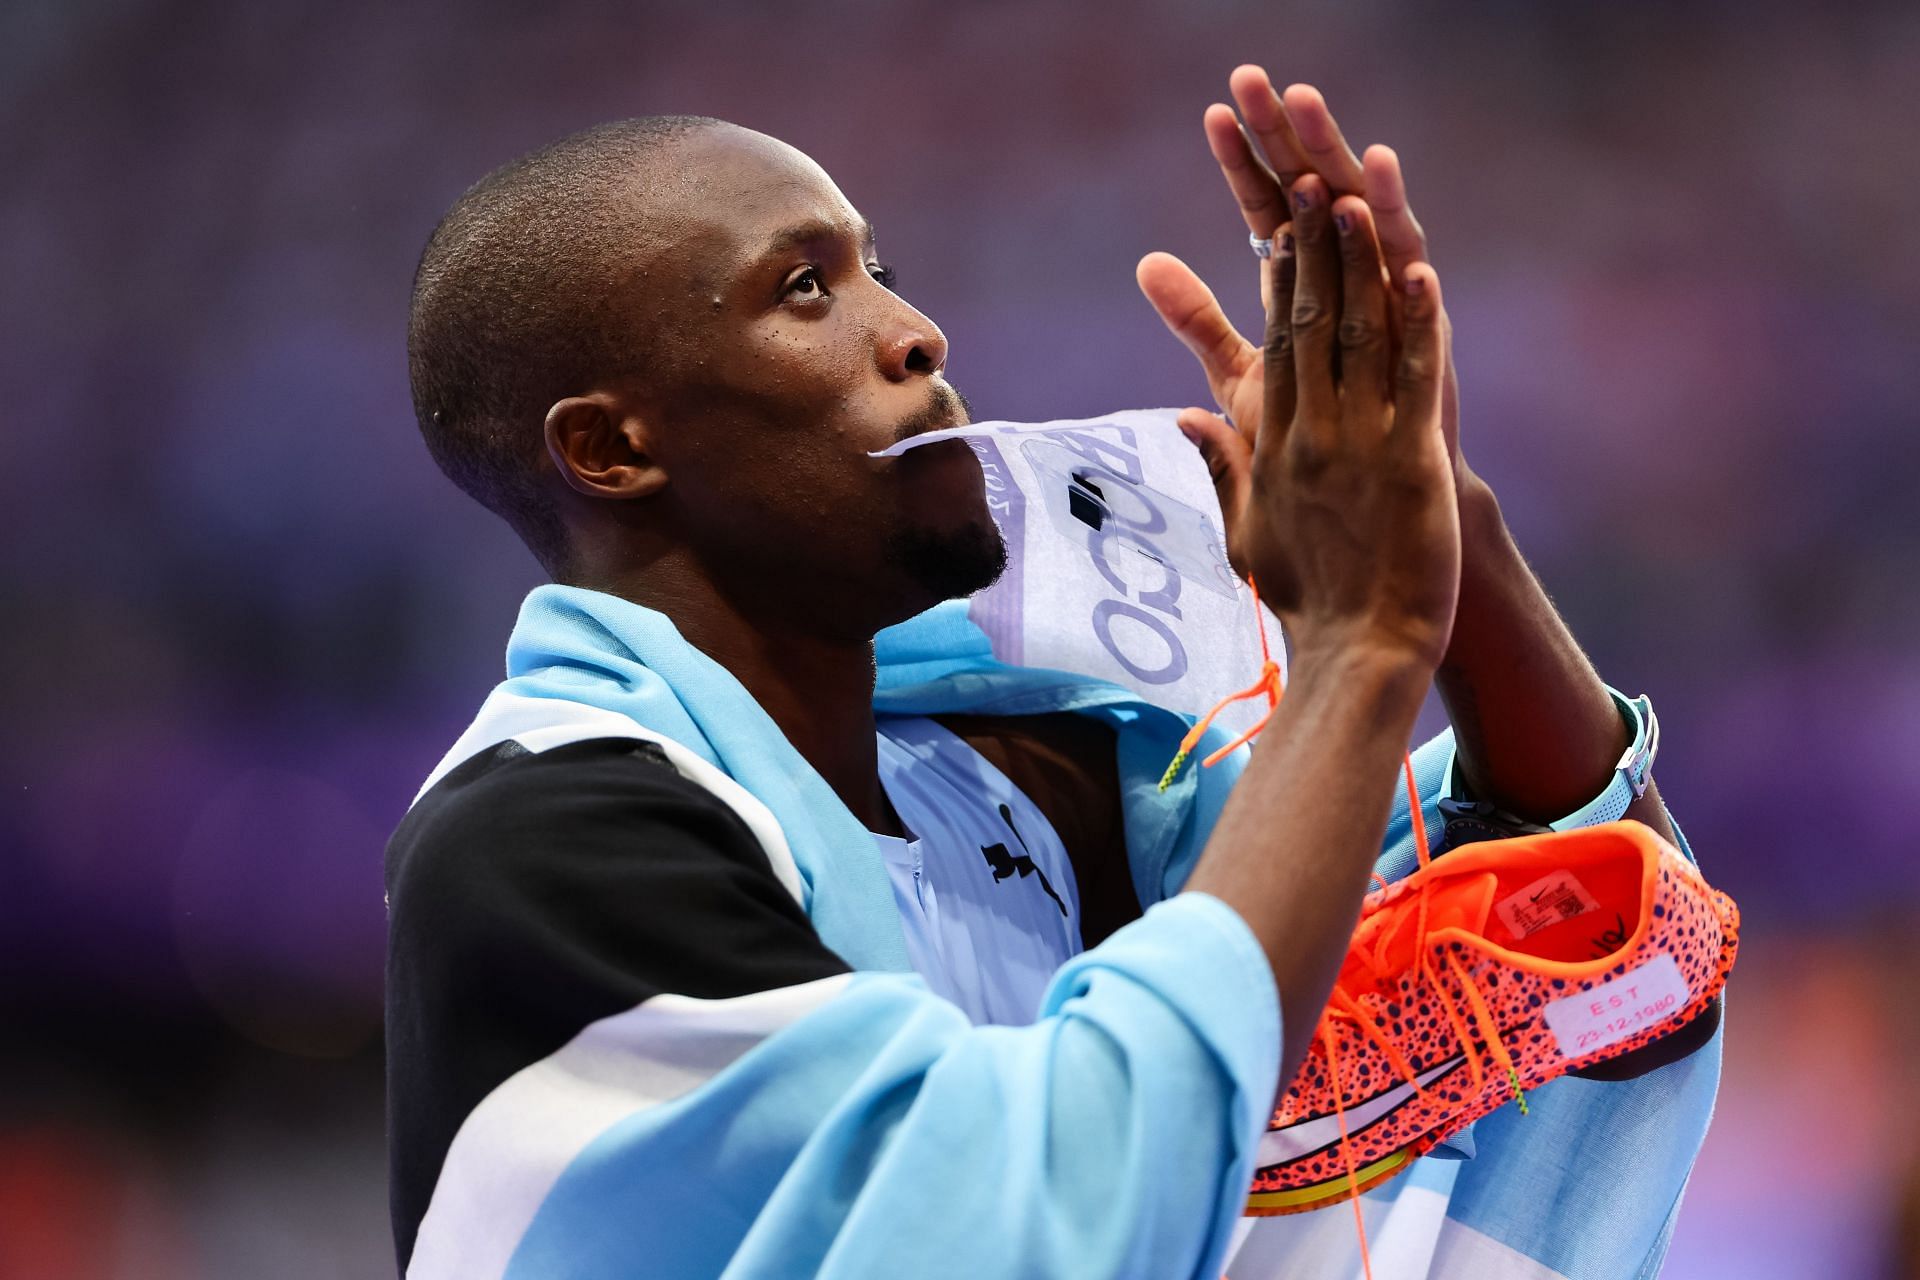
[(1270, 684), (1342, 1003)]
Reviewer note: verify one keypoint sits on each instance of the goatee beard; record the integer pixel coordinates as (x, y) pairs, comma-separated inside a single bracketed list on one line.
[(951, 563)]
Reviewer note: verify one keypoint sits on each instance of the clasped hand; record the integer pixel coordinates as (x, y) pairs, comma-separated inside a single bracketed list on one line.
[(1337, 460)]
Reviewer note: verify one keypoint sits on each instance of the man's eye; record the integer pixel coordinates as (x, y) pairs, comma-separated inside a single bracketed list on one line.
[(882, 272), (806, 285)]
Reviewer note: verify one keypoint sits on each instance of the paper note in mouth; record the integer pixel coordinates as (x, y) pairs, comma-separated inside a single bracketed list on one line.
[(1095, 493), (1122, 572)]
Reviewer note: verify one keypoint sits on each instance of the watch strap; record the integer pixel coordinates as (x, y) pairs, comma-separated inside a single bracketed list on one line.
[(1633, 772)]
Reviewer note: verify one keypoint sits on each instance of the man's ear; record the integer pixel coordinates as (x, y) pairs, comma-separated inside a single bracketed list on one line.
[(601, 450)]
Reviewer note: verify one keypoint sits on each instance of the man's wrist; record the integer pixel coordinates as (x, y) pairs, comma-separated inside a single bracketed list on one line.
[(1375, 672)]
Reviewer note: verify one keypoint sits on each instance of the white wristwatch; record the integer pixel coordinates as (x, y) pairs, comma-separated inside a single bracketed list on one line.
[(1631, 775)]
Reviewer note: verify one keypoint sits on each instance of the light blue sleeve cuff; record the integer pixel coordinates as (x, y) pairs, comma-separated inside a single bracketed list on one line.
[(1201, 958)]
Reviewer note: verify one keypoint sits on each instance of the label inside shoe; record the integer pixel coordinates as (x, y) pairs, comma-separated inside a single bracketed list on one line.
[(1642, 997), (1547, 901)]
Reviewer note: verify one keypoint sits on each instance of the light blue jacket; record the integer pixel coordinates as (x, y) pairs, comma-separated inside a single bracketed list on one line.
[(860, 1127)]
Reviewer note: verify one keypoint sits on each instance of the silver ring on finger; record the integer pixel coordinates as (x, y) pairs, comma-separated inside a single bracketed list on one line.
[(1262, 246)]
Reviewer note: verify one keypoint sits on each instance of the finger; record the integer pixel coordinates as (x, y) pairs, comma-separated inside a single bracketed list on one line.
[(1266, 274), (1276, 298), (1363, 334), (1282, 265), (1228, 456), (1263, 201), (1316, 304), (1402, 242), (1421, 368), (1187, 307), (1266, 118), (1321, 141)]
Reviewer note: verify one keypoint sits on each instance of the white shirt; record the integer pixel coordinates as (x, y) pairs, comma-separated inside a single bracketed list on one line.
[(985, 890)]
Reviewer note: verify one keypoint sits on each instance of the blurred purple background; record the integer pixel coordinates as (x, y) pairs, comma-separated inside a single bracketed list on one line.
[(244, 614)]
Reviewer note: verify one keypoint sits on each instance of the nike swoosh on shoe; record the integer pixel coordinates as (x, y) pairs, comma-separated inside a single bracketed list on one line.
[(1303, 1139)]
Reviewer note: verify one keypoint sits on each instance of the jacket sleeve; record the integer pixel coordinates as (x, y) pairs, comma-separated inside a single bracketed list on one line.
[(617, 1047)]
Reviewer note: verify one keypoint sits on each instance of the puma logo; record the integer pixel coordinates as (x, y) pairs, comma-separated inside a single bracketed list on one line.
[(1005, 863)]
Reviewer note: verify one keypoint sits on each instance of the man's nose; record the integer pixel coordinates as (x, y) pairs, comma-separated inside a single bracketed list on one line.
[(915, 348)]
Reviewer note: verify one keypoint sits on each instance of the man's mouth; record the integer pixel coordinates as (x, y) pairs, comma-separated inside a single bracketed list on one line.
[(948, 408)]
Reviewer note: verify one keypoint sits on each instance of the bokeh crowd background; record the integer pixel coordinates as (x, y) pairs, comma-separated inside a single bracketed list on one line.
[(243, 615)]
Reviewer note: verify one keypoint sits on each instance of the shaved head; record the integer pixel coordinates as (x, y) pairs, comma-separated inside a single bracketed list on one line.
[(514, 307), (664, 351)]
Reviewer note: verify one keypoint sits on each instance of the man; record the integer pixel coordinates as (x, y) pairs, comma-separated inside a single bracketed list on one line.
[(650, 1008)]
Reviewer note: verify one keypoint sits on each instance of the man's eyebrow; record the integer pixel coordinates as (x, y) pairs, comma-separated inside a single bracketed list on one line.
[(813, 230)]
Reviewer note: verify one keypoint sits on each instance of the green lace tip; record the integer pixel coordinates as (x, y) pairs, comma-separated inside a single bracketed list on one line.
[(1173, 771), (1520, 1095)]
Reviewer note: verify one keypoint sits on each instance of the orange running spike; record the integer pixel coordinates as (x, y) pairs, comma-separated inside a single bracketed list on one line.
[(1568, 949), (1491, 971)]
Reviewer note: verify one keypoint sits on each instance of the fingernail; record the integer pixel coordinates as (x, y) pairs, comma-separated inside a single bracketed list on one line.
[(1302, 198), (1343, 222), (1286, 244), (1416, 285)]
